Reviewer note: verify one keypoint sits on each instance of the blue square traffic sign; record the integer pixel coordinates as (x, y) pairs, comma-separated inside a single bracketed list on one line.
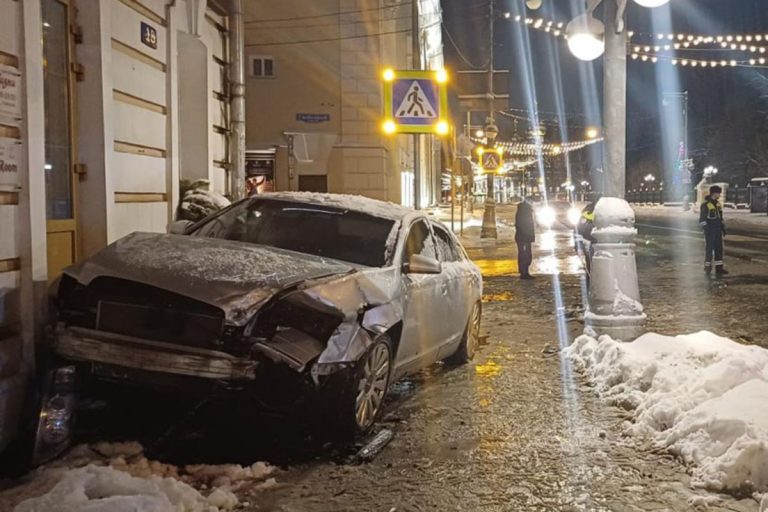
[(415, 102)]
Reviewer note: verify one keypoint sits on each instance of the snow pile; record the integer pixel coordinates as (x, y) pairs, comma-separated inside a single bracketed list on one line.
[(118, 477), (374, 207), (701, 396), (198, 201), (105, 489)]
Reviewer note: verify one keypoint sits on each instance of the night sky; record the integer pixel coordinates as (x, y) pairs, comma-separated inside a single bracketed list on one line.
[(727, 120)]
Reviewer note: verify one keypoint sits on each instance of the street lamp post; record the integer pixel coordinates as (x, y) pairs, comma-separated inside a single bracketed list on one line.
[(488, 229), (614, 295)]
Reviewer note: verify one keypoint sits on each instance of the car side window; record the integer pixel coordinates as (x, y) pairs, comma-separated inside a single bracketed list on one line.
[(446, 247), (419, 241)]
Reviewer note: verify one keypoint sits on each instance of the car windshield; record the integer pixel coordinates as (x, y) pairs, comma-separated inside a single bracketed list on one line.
[(311, 229)]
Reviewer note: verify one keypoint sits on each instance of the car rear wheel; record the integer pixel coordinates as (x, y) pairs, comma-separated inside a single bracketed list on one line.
[(471, 339)]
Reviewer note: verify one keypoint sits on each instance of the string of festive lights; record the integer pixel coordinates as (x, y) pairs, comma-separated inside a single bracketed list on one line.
[(549, 149), (675, 42)]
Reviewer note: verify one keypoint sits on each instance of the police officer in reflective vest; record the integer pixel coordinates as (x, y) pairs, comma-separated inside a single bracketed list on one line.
[(711, 220)]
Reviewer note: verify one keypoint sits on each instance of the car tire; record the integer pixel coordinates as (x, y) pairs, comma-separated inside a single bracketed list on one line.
[(471, 339), (361, 398)]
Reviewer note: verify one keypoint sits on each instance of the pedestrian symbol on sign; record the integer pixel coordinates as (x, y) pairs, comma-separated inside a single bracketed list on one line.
[(491, 160), (415, 104)]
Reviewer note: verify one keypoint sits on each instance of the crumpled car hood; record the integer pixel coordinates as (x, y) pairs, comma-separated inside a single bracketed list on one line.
[(233, 276)]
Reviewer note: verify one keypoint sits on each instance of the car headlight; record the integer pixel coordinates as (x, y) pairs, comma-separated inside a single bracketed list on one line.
[(546, 216), (574, 215)]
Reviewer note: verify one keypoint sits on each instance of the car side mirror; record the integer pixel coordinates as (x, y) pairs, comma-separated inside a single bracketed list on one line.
[(419, 264), (179, 227)]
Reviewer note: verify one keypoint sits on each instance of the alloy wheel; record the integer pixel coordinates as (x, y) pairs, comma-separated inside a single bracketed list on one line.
[(372, 385)]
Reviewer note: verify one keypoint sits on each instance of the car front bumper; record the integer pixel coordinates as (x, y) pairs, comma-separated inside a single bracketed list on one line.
[(91, 346)]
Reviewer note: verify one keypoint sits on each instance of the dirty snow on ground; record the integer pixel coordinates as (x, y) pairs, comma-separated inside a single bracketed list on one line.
[(701, 396), (117, 477)]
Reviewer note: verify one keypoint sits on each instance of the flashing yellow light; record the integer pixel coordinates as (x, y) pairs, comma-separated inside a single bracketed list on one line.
[(442, 76), (442, 128), (480, 151), (389, 127), (500, 151), (389, 75), (592, 133), (500, 170)]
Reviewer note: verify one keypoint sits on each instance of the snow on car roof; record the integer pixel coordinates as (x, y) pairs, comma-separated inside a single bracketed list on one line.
[(361, 204)]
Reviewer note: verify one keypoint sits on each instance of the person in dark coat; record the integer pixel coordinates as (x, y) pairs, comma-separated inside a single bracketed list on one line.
[(711, 220), (525, 235)]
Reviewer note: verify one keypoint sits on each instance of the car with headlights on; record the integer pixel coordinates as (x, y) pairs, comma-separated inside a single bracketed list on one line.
[(314, 301), (556, 214)]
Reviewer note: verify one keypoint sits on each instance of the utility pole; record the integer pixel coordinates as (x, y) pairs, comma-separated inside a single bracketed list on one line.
[(415, 50), (488, 229), (614, 103)]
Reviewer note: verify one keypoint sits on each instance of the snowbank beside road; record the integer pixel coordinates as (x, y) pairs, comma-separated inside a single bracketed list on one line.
[(117, 477), (700, 396)]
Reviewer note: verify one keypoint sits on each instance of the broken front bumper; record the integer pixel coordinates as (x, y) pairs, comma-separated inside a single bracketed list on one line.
[(87, 345)]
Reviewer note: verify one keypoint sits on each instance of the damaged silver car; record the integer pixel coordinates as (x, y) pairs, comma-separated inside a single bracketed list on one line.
[(298, 298)]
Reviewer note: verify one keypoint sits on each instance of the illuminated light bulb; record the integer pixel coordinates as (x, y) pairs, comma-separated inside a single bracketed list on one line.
[(684, 62), (713, 63), (560, 25), (762, 49), (637, 48), (677, 46), (634, 56), (518, 17), (704, 63), (752, 62), (694, 63), (680, 37), (645, 58), (389, 75), (632, 33), (758, 37), (549, 23), (732, 63), (739, 38), (507, 15), (585, 37), (719, 39), (660, 36), (723, 63), (654, 59), (670, 36), (389, 127), (647, 48), (538, 23), (729, 38), (690, 38), (761, 60), (743, 47), (557, 33), (667, 47), (748, 38), (657, 48), (442, 76), (547, 29), (753, 49), (734, 46), (528, 21), (674, 62), (724, 44), (686, 44)]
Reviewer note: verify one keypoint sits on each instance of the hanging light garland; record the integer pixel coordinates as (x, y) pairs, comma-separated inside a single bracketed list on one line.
[(548, 149), (677, 42)]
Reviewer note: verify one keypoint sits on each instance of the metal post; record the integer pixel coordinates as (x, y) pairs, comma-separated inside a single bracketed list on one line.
[(415, 50), (614, 295), (488, 229), (237, 100), (614, 104)]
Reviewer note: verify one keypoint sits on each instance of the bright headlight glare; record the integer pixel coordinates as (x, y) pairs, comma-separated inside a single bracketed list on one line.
[(546, 216), (574, 215)]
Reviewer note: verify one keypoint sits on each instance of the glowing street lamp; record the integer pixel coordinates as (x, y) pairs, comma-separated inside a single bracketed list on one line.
[(586, 37), (651, 3)]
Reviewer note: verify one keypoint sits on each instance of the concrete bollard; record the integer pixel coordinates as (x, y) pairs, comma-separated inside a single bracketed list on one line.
[(614, 307)]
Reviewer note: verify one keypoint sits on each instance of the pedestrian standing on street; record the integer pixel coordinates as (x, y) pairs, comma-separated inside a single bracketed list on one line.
[(711, 220), (525, 235)]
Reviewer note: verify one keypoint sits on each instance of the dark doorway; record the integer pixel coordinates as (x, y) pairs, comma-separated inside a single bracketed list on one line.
[(313, 183)]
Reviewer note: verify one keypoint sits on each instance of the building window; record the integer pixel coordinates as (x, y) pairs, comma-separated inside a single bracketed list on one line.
[(262, 67)]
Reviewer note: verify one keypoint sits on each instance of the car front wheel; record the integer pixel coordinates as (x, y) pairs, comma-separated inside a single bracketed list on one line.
[(361, 398)]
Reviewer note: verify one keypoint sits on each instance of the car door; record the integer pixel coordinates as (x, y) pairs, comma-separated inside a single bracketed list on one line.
[(421, 338), (453, 288)]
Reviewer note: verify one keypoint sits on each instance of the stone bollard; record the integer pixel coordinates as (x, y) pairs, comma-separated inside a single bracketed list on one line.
[(614, 307)]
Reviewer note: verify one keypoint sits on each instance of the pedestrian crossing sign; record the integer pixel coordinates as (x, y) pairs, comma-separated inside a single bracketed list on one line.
[(416, 102), (491, 160)]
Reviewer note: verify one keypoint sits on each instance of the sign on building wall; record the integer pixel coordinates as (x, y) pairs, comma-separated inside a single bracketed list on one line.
[(149, 35), (10, 95), (313, 118), (10, 162)]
